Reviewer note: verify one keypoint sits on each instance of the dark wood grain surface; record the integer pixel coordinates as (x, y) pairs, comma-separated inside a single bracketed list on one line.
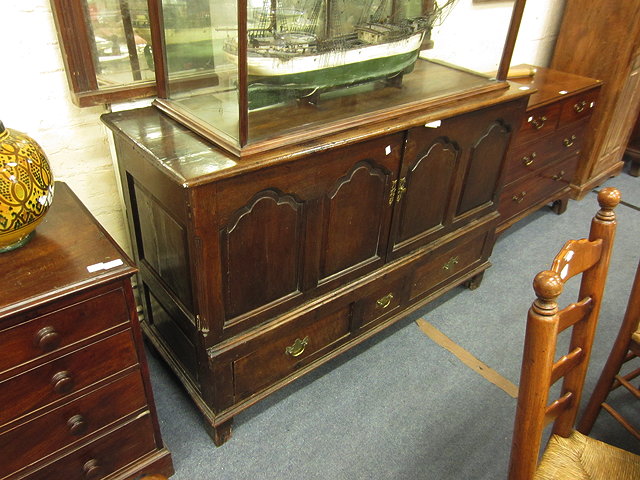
[(64, 245)]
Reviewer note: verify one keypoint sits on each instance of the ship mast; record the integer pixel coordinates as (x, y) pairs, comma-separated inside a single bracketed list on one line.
[(327, 18), (273, 21)]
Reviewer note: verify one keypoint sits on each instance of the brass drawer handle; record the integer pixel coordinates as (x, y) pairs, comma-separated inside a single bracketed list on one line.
[(46, 339), (580, 106), (568, 142), (528, 159), (453, 261), (559, 175), (519, 198), (385, 301), (538, 123), (297, 348)]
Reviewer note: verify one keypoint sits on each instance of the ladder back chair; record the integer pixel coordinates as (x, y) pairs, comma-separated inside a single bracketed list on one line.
[(625, 349), (569, 454)]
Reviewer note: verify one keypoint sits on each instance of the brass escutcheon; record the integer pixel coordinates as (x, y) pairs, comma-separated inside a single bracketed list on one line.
[(392, 193), (297, 348), (453, 261), (385, 301)]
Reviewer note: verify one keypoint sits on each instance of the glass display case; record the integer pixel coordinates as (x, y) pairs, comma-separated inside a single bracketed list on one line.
[(252, 75)]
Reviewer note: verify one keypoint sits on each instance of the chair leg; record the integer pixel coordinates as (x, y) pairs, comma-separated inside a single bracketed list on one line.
[(616, 358)]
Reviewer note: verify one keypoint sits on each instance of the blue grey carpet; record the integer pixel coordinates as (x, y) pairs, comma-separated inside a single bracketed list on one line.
[(400, 406)]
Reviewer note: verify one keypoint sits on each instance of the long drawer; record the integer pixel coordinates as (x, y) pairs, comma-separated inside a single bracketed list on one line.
[(104, 456), (279, 352), (70, 423), (531, 190), (64, 376), (451, 260), (50, 333)]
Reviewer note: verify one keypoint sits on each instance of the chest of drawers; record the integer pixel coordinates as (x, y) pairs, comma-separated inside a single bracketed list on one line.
[(75, 396), (543, 156)]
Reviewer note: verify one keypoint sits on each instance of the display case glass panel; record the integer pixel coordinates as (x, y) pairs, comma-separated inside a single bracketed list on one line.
[(251, 74)]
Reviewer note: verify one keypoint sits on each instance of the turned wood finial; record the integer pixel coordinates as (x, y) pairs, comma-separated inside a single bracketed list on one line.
[(608, 198), (548, 287)]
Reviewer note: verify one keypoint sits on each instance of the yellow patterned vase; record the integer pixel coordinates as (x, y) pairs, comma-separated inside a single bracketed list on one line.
[(26, 188)]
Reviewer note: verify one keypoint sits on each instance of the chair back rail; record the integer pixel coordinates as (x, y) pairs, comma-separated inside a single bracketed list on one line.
[(590, 258)]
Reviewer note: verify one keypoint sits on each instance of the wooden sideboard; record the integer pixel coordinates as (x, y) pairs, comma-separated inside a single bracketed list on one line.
[(75, 395), (256, 270), (601, 39), (544, 154)]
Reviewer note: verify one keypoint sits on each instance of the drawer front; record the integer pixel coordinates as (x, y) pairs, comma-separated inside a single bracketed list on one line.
[(524, 194), (282, 351), (525, 159), (66, 375), (538, 123), (447, 262), (386, 300), (70, 423), (578, 107), (105, 455), (54, 331)]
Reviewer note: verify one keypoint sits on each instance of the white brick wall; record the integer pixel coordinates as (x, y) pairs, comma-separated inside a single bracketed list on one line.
[(35, 97), (35, 100)]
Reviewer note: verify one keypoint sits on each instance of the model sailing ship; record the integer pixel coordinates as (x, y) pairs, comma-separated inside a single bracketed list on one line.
[(305, 54)]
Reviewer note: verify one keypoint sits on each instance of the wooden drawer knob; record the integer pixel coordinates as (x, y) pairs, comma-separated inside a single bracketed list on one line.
[(47, 339), (77, 425), (92, 470), (62, 382)]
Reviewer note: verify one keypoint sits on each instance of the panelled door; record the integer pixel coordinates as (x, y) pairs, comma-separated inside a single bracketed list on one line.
[(291, 230), (449, 175)]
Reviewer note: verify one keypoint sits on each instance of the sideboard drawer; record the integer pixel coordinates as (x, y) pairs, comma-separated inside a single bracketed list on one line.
[(69, 325), (71, 422), (448, 261), (281, 351), (384, 301), (578, 107), (539, 122), (66, 375), (523, 194), (104, 456)]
